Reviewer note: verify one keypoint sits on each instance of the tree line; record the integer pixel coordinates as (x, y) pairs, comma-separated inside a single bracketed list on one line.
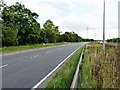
[(115, 40), (20, 27)]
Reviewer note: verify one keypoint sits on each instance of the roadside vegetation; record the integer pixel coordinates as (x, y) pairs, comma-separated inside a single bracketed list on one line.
[(20, 27), (100, 69), (27, 47), (22, 31), (114, 40), (64, 77)]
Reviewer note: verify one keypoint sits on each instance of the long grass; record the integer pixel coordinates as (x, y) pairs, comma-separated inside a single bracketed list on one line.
[(63, 78), (27, 47), (85, 72), (100, 69)]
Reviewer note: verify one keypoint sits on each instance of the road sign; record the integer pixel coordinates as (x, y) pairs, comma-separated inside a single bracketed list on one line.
[(46, 40)]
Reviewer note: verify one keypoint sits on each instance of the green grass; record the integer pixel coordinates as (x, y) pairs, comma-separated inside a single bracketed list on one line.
[(63, 78), (100, 69), (85, 72), (27, 47)]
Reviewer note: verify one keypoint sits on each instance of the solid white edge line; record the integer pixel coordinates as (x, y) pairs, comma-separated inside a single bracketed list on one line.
[(41, 81), (4, 66)]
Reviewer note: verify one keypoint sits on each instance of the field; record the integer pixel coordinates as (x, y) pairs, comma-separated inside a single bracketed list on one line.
[(100, 69)]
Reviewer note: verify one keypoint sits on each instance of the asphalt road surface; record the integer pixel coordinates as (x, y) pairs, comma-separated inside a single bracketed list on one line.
[(26, 69)]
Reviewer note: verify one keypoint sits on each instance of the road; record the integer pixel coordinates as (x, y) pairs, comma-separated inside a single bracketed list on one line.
[(26, 69)]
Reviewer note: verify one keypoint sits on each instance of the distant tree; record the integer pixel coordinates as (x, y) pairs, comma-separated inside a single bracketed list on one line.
[(51, 30), (66, 37), (113, 40), (42, 35), (71, 37)]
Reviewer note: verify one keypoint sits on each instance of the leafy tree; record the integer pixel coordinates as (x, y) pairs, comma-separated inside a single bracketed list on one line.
[(42, 35), (113, 40), (51, 31), (66, 36), (70, 37), (9, 29), (20, 27), (9, 35), (21, 23)]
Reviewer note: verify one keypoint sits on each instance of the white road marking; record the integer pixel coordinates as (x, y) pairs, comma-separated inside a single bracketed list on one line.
[(41, 81), (48, 52), (34, 56), (4, 66), (40, 54), (31, 57)]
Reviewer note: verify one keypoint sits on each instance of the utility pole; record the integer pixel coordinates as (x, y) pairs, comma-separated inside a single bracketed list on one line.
[(104, 26), (1, 7), (87, 32), (118, 21), (95, 35), (2, 3)]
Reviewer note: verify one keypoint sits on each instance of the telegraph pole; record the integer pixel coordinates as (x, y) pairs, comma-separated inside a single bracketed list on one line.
[(118, 21), (104, 26), (2, 3), (87, 32), (1, 7)]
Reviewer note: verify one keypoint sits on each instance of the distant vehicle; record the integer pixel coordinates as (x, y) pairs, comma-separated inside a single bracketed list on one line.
[(101, 42)]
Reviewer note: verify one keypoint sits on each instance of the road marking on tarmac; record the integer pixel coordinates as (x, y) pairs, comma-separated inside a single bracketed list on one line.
[(41, 81), (41, 54), (4, 66), (34, 56)]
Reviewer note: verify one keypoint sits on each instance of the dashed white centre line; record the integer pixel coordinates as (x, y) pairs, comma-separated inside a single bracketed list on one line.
[(49, 74), (31, 57), (34, 56), (4, 66), (40, 54)]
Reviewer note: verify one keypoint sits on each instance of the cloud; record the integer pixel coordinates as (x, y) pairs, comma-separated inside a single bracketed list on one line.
[(75, 15)]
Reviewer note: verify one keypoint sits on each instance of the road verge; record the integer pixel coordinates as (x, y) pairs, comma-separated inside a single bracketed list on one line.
[(100, 69), (22, 48), (48, 80), (75, 79)]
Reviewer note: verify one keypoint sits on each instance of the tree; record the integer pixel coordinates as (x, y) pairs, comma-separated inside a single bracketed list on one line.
[(51, 30), (9, 29), (113, 40), (42, 35), (20, 27), (70, 37), (21, 23)]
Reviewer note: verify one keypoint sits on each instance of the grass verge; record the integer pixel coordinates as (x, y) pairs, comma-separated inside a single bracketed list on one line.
[(100, 69), (64, 77), (27, 47)]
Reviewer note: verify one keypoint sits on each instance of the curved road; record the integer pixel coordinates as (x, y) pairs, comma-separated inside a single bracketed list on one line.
[(26, 69)]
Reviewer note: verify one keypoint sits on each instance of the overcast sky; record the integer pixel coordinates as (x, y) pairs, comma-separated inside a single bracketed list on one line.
[(76, 15)]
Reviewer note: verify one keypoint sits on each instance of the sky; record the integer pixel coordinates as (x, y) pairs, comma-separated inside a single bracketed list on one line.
[(84, 17)]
